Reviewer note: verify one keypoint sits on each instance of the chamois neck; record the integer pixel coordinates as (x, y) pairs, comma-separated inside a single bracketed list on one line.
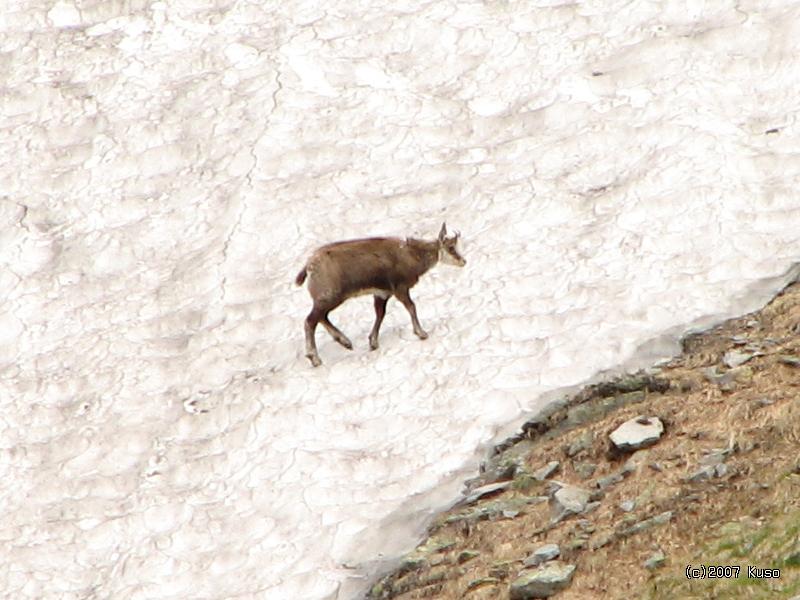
[(427, 252)]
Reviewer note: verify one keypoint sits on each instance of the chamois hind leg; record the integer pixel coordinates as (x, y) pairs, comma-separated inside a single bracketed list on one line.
[(335, 333), (380, 312), (404, 297), (312, 319)]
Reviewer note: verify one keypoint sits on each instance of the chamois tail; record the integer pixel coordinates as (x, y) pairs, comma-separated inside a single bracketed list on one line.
[(301, 277)]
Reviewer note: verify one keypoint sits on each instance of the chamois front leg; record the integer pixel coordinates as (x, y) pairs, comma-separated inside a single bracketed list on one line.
[(335, 333), (311, 344), (380, 312), (404, 297)]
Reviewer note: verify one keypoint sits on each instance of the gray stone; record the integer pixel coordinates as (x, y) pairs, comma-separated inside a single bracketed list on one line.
[(412, 562), (712, 458), (583, 442), (627, 505), (637, 433), (542, 554), (788, 359), (546, 471), (711, 466), (703, 473), (591, 506), (585, 470), (656, 561), (545, 581), (569, 500), (660, 519), (486, 490), (728, 381), (493, 509), (609, 480), (734, 358)]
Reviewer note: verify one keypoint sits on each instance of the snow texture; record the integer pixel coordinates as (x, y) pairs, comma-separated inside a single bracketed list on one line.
[(620, 171)]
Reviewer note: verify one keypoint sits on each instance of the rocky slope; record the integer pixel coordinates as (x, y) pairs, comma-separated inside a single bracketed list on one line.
[(562, 510)]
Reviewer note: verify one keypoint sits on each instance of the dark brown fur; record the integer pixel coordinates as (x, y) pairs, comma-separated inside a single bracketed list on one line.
[(383, 267)]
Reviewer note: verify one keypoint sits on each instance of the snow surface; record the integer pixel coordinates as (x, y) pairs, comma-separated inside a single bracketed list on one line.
[(620, 171)]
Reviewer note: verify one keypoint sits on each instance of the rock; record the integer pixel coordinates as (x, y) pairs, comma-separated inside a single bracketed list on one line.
[(545, 581), (657, 467), (711, 465), (569, 500), (633, 382), (789, 359), (542, 554), (492, 509), (660, 519), (712, 458), (609, 480), (712, 375), (592, 506), (637, 433), (467, 555), (486, 490), (412, 562), (703, 473), (627, 505), (734, 358), (727, 381), (547, 470), (656, 561), (581, 443), (476, 583), (504, 465), (585, 470)]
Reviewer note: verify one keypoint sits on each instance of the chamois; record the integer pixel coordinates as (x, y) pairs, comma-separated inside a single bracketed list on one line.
[(383, 267)]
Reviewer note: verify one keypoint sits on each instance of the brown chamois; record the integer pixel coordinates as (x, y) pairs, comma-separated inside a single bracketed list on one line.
[(383, 267)]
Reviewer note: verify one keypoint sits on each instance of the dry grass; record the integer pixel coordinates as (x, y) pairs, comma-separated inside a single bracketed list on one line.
[(749, 516)]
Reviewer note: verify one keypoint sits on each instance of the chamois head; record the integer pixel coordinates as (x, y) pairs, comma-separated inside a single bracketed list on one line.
[(448, 253)]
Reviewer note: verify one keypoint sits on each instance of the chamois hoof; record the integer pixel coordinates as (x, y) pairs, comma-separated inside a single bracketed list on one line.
[(315, 361), (421, 335), (346, 343), (373, 344)]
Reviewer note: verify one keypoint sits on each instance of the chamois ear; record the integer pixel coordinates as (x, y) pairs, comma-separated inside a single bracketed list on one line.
[(442, 232)]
